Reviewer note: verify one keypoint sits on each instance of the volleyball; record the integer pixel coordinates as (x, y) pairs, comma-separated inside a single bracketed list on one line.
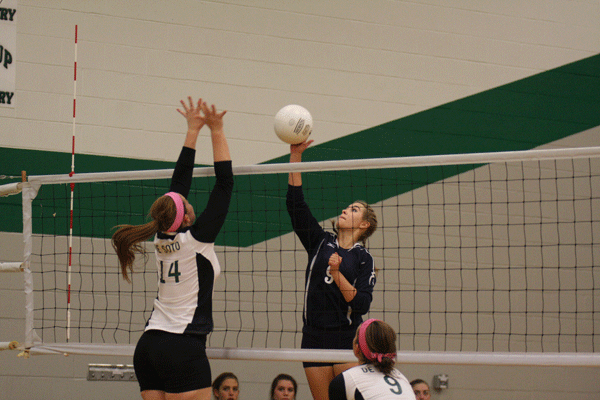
[(293, 124)]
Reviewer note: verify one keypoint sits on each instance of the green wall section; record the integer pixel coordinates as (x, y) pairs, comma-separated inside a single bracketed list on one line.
[(36, 162), (518, 116)]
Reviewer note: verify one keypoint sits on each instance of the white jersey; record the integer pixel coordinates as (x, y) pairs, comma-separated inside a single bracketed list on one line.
[(186, 260), (184, 265), (365, 382)]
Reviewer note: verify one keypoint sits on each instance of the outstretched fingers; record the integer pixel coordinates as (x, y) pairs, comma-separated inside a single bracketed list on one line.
[(213, 111), (213, 118), (300, 147), (192, 108), (191, 112)]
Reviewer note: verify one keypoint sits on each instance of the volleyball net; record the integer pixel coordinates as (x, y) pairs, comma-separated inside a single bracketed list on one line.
[(481, 258)]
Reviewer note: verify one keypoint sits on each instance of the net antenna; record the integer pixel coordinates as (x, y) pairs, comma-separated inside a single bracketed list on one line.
[(72, 185), (483, 258)]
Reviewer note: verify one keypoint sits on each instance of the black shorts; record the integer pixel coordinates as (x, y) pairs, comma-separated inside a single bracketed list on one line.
[(171, 362), (323, 339)]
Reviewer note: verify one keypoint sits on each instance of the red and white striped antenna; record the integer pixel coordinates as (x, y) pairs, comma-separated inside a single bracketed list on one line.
[(72, 191)]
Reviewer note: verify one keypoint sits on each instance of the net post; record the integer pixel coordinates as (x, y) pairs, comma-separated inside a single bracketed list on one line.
[(9, 345), (29, 193), (13, 188), (10, 189), (11, 267)]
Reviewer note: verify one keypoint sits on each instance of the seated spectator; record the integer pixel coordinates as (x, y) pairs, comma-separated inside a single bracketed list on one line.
[(421, 389), (226, 387), (284, 387)]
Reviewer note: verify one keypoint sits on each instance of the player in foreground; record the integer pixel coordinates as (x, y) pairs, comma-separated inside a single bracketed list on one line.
[(375, 378), (170, 358), (339, 279)]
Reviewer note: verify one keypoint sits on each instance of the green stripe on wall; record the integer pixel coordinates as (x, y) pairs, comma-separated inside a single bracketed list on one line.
[(518, 116)]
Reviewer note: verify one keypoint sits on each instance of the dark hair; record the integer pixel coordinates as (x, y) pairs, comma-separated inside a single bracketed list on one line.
[(126, 240), (417, 381), (216, 385), (283, 377), (369, 216), (380, 338)]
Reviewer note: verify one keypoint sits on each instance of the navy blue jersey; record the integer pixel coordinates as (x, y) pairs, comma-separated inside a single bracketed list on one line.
[(187, 265), (324, 304)]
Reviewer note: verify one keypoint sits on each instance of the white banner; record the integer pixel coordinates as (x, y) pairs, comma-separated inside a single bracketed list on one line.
[(8, 49)]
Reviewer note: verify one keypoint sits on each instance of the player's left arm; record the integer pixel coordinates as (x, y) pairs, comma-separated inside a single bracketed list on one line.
[(363, 285), (209, 223), (337, 388), (348, 291)]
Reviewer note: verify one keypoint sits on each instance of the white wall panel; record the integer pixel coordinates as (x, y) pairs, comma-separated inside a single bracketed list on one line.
[(353, 63), (394, 57)]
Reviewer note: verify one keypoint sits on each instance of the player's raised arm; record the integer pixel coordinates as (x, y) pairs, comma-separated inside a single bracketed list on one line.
[(296, 150), (214, 120), (195, 120)]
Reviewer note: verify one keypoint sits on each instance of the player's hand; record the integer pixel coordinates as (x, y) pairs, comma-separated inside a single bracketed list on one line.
[(212, 118), (334, 262), (300, 147), (192, 114)]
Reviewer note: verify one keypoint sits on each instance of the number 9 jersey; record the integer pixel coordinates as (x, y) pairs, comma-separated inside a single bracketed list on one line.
[(365, 382)]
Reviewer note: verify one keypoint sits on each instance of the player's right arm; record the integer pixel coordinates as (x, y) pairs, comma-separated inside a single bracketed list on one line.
[(182, 175), (305, 225), (296, 150)]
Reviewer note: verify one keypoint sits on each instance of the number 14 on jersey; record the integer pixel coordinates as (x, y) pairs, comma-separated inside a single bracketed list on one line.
[(173, 272)]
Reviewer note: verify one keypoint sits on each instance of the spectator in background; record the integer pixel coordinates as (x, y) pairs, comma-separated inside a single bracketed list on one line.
[(284, 387), (226, 386), (421, 389)]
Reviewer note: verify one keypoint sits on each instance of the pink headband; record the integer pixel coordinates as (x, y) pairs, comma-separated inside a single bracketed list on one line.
[(180, 211), (362, 342)]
